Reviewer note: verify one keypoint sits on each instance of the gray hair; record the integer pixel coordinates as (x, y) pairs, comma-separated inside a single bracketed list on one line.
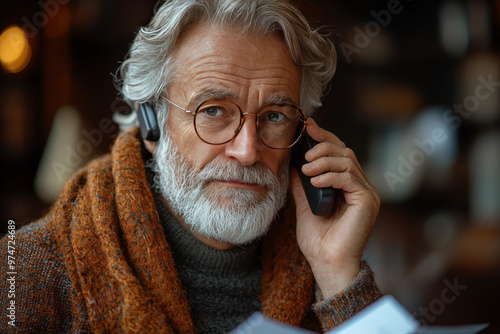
[(149, 66)]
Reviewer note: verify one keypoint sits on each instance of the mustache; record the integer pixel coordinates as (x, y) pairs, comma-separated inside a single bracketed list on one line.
[(227, 170)]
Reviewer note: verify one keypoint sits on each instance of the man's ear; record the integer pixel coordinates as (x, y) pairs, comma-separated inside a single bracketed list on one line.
[(150, 146)]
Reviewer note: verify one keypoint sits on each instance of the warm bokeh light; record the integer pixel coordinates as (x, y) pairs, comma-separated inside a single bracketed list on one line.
[(15, 51)]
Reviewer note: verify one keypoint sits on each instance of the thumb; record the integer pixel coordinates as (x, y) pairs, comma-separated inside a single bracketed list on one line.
[(298, 192)]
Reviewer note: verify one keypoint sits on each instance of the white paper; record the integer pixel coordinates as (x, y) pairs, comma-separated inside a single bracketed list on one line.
[(259, 324), (387, 316)]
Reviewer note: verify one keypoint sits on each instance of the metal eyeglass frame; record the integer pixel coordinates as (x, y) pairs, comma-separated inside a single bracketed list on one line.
[(303, 117)]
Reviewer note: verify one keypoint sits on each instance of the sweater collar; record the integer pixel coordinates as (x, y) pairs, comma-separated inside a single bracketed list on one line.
[(191, 252)]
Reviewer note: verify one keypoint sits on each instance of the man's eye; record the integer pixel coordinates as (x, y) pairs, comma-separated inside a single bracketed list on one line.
[(214, 111), (275, 116)]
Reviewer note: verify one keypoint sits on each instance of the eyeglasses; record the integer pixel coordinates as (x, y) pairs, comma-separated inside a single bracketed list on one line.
[(218, 121)]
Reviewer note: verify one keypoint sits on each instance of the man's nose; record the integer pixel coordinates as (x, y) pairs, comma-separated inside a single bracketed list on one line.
[(246, 147)]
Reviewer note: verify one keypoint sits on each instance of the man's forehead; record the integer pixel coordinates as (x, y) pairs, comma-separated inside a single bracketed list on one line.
[(219, 44), (214, 63), (227, 94)]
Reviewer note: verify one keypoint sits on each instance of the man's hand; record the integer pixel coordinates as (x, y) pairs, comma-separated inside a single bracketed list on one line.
[(333, 245)]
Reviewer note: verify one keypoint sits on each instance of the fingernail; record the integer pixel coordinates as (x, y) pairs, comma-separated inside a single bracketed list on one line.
[(311, 152), (318, 178), (308, 165)]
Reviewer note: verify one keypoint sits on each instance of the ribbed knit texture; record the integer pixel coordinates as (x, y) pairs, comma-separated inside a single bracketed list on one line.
[(223, 286), (99, 261), (349, 301)]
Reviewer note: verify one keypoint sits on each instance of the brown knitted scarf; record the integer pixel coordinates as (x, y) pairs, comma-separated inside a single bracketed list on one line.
[(120, 265)]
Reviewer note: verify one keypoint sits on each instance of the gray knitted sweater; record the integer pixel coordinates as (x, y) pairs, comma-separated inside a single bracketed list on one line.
[(223, 287)]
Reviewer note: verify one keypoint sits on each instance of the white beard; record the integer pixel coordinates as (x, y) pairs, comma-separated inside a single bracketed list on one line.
[(228, 215)]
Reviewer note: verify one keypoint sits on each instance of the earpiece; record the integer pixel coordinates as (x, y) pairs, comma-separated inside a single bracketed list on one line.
[(150, 129)]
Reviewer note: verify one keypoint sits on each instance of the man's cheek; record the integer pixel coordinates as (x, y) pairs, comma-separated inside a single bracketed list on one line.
[(182, 131)]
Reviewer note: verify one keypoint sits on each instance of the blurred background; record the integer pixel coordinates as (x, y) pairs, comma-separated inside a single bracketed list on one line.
[(416, 96)]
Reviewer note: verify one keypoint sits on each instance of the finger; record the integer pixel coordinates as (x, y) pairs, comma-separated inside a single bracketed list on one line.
[(330, 164), (346, 181), (330, 150), (322, 135), (356, 190), (329, 144)]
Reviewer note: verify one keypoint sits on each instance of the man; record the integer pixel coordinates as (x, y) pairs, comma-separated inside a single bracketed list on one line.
[(196, 230)]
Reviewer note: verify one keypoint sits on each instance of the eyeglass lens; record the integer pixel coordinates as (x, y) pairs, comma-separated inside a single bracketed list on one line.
[(217, 122)]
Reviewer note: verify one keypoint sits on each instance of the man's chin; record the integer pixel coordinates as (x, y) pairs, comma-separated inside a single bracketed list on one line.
[(236, 216), (235, 198)]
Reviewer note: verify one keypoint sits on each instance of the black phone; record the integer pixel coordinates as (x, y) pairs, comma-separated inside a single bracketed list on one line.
[(150, 130), (321, 200)]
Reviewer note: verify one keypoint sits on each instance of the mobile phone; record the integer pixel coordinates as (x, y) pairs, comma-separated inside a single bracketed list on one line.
[(150, 130), (321, 200)]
